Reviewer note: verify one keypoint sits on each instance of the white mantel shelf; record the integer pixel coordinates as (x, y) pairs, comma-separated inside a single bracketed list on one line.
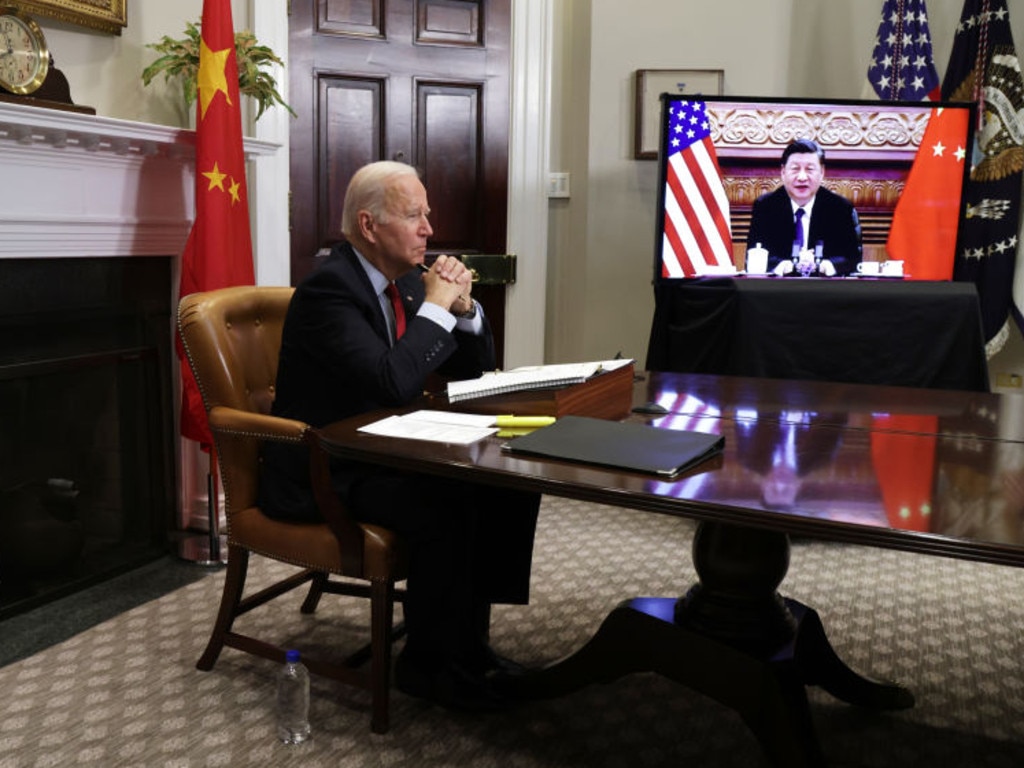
[(79, 185)]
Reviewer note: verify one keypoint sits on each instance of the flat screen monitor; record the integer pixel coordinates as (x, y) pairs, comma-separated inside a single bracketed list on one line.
[(894, 175)]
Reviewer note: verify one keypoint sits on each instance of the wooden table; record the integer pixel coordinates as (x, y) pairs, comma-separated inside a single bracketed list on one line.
[(928, 471)]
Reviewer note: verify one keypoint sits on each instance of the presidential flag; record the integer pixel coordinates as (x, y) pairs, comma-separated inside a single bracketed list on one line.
[(902, 67), (219, 248), (984, 68), (924, 224), (697, 237)]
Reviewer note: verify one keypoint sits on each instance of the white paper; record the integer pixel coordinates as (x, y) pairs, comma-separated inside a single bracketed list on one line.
[(435, 426)]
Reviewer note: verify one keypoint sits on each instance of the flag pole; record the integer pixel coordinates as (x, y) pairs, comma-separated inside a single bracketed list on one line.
[(209, 549)]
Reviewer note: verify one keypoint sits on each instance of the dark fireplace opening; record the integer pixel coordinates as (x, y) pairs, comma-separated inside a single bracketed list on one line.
[(86, 460)]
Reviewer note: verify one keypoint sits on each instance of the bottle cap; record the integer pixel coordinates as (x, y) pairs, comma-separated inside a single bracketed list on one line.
[(291, 656)]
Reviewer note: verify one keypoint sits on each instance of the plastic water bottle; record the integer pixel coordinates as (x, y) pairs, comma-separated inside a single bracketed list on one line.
[(293, 700)]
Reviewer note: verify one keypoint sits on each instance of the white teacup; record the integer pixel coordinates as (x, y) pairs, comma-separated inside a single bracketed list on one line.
[(892, 269), (869, 267), (757, 261)]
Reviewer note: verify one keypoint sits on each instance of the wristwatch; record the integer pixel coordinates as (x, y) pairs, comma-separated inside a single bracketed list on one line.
[(468, 315)]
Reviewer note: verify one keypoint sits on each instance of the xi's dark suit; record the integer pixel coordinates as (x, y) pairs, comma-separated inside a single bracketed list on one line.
[(470, 544), (834, 223)]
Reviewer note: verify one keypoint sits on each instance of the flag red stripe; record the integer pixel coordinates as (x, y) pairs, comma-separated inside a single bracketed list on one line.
[(679, 252), (707, 193), (690, 215), (708, 240)]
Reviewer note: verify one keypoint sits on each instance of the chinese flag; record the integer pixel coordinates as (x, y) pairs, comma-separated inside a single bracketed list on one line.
[(924, 224), (219, 248)]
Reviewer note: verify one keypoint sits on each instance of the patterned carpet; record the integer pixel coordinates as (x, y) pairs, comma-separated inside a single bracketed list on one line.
[(126, 693)]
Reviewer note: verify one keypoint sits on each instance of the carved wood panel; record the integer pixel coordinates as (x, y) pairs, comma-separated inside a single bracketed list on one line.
[(451, 22), (448, 152), (359, 18), (352, 134)]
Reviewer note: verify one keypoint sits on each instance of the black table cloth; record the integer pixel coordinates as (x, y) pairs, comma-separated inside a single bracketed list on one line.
[(871, 331)]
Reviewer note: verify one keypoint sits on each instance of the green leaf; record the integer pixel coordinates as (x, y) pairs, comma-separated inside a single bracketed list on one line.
[(180, 61)]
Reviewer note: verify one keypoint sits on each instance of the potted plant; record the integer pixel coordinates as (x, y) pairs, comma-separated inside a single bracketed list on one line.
[(180, 59)]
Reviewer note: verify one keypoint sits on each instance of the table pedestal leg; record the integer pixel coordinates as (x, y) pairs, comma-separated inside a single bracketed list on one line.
[(733, 638)]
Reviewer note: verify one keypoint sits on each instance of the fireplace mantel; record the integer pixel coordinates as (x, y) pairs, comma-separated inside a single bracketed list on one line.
[(80, 185)]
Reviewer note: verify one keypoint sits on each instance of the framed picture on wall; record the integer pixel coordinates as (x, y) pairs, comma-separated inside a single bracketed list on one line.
[(650, 84), (106, 15)]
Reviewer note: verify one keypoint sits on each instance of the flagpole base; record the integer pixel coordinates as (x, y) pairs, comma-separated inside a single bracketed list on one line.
[(202, 549)]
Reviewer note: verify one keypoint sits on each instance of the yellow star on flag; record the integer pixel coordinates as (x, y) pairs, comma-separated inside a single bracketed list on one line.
[(216, 178), (233, 191), (212, 77)]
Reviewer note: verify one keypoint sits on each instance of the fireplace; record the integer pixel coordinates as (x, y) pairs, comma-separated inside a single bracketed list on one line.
[(93, 214), (86, 446)]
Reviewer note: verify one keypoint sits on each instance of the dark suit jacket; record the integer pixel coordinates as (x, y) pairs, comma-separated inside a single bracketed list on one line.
[(834, 223), (336, 361)]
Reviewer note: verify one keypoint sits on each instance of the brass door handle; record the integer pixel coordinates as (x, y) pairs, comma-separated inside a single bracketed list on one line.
[(490, 268)]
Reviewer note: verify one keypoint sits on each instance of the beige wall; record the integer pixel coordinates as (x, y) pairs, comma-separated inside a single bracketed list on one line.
[(104, 70), (601, 240)]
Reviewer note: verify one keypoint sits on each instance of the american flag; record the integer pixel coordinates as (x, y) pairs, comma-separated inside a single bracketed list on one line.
[(697, 236), (902, 68)]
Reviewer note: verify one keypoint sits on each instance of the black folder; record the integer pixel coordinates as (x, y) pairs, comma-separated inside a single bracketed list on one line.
[(620, 444)]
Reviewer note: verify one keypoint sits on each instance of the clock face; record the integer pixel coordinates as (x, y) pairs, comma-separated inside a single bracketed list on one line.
[(24, 59)]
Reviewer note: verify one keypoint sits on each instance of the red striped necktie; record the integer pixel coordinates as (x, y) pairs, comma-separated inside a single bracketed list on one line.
[(396, 304)]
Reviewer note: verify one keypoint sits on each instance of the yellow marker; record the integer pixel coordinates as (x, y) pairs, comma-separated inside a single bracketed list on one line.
[(523, 421), (515, 432)]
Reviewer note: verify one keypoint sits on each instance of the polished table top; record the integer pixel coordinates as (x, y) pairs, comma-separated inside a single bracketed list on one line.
[(931, 471)]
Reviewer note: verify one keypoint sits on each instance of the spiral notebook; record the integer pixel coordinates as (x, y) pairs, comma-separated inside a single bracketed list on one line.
[(620, 444), (527, 378)]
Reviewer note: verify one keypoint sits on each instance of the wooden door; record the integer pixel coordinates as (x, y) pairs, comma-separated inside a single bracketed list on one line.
[(421, 81)]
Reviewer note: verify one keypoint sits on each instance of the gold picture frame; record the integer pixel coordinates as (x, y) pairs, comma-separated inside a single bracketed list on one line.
[(104, 15), (650, 84)]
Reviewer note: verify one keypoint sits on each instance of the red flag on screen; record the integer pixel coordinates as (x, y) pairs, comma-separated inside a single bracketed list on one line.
[(219, 248), (924, 224), (697, 237)]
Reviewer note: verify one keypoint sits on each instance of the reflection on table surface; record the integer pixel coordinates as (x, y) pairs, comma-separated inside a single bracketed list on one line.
[(921, 470), (975, 414), (945, 463)]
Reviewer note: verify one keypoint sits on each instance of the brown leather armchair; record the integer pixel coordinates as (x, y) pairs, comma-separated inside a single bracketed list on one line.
[(232, 338)]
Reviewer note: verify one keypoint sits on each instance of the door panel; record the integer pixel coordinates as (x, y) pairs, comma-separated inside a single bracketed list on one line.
[(351, 136), (447, 148)]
